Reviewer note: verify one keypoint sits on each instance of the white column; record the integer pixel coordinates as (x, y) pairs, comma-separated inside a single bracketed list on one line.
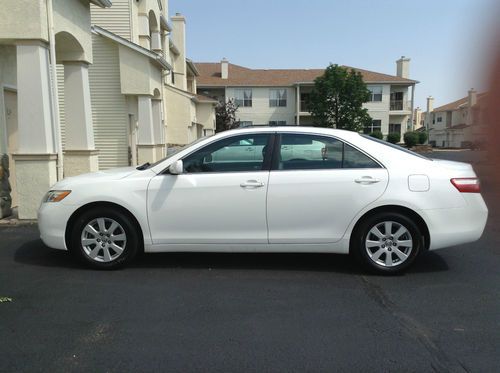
[(145, 131), (80, 155), (35, 161), (297, 99), (34, 100), (157, 128)]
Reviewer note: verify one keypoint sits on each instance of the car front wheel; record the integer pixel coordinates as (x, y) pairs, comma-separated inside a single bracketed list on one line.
[(104, 238), (387, 243)]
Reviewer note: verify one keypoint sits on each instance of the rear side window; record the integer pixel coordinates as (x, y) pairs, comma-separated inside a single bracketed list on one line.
[(313, 152)]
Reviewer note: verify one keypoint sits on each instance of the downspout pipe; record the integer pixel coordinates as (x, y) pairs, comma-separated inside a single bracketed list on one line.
[(56, 123)]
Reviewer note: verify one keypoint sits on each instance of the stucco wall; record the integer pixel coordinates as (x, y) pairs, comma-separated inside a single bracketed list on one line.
[(33, 15), (179, 116), (205, 115)]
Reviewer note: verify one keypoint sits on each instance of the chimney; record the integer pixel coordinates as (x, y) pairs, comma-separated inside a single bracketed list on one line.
[(179, 39), (224, 68), (430, 104), (472, 97), (403, 67)]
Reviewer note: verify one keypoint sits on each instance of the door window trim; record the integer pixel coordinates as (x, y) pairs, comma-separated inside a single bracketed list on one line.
[(266, 163), (277, 149)]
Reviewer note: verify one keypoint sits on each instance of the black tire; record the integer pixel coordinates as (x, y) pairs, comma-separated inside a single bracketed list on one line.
[(361, 252), (130, 246)]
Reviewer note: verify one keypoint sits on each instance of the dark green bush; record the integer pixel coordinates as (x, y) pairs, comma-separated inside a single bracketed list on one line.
[(393, 137), (410, 139), (422, 137), (377, 135)]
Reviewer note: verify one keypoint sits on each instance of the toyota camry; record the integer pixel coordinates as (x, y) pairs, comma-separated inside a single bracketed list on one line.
[(274, 189)]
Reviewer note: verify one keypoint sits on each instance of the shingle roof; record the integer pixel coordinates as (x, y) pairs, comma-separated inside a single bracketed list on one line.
[(455, 105), (210, 76)]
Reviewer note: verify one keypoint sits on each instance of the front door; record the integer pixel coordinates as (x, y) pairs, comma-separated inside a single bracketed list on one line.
[(317, 187), (220, 198)]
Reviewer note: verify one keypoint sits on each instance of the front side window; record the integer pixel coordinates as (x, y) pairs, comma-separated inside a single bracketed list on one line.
[(277, 97), (314, 152), (375, 93), (243, 97), (375, 125), (234, 154)]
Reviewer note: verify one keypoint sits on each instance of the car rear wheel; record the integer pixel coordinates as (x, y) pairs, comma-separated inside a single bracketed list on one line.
[(387, 243), (104, 238)]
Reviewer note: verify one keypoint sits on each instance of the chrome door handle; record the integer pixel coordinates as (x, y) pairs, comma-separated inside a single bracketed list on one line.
[(252, 184), (366, 180)]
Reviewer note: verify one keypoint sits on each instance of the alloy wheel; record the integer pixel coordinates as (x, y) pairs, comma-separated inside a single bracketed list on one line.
[(389, 243), (103, 239)]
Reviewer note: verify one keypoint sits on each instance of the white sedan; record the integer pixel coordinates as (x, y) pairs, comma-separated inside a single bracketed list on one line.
[(275, 189)]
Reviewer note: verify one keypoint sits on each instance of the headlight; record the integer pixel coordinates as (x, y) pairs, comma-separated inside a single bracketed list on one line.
[(56, 195)]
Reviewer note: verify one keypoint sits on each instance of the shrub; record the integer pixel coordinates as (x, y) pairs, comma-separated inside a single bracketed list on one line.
[(410, 139), (377, 135), (393, 137), (422, 137)]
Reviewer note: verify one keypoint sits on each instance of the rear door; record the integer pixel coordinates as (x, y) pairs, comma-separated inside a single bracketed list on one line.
[(313, 195)]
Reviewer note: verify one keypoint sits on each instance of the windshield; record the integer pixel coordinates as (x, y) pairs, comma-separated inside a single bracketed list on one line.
[(174, 150), (394, 146)]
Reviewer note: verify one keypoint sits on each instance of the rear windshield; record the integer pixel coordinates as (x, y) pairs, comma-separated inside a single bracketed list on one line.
[(394, 146)]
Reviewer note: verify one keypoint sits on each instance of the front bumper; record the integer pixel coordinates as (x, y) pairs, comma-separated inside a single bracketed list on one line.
[(52, 220)]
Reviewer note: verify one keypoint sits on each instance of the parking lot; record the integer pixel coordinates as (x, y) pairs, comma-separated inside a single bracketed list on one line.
[(252, 312)]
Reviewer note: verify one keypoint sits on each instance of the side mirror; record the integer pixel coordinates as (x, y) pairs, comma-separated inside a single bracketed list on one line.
[(176, 168)]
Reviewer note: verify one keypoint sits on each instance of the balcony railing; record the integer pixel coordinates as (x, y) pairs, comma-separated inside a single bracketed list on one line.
[(304, 107), (399, 105)]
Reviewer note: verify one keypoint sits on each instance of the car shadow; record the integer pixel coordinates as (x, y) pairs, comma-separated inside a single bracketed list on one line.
[(37, 254)]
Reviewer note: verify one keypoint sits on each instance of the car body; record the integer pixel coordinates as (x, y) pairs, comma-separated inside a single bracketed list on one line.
[(272, 189)]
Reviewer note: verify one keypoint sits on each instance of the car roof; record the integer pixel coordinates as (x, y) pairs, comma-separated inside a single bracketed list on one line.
[(299, 129)]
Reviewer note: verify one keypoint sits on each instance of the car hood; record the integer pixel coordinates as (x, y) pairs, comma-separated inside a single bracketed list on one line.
[(111, 174)]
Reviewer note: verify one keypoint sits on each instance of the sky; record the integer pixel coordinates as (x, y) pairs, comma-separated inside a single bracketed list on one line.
[(449, 41)]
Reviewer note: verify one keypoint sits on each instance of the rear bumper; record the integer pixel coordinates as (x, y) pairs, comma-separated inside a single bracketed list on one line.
[(450, 227), (52, 220)]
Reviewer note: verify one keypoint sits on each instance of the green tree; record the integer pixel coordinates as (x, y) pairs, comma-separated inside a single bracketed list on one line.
[(225, 116), (337, 98)]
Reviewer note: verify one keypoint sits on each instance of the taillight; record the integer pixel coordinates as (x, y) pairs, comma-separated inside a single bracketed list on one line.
[(467, 184)]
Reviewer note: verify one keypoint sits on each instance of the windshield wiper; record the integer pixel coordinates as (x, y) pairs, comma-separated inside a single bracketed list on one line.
[(144, 166)]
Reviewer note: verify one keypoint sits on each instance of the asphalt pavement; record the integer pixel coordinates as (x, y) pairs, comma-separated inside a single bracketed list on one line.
[(252, 312)]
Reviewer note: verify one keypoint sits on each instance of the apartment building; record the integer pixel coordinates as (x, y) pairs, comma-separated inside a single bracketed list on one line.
[(280, 96), (143, 87), (459, 123), (90, 85)]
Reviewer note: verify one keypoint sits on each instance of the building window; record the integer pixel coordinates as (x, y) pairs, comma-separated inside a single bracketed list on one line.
[(395, 128), (245, 123), (243, 97), (277, 97), (439, 119), (375, 93), (277, 122), (376, 125)]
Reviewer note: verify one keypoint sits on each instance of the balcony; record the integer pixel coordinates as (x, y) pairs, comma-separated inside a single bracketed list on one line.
[(400, 105), (304, 106)]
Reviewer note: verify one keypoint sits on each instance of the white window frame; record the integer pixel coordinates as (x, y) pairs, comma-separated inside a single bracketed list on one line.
[(278, 97), (373, 95), (241, 99)]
